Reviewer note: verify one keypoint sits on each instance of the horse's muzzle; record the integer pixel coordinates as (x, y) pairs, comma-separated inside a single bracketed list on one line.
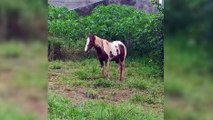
[(85, 51)]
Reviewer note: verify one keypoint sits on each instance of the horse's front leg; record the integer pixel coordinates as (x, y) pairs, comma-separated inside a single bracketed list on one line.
[(102, 67), (108, 69)]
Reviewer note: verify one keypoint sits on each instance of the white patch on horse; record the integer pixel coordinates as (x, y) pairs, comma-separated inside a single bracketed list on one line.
[(120, 43), (86, 47), (114, 48)]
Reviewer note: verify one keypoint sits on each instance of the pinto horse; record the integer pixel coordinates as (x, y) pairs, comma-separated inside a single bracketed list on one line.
[(108, 51)]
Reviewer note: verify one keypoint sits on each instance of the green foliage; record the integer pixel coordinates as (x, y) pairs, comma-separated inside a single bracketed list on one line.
[(26, 17), (185, 17), (141, 32)]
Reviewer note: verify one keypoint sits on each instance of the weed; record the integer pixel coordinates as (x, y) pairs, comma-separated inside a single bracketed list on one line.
[(139, 84), (56, 65), (104, 83), (81, 74), (91, 94), (143, 98), (138, 99)]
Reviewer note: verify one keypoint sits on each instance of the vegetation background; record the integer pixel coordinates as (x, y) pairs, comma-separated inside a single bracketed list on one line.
[(23, 59), (74, 78), (188, 59)]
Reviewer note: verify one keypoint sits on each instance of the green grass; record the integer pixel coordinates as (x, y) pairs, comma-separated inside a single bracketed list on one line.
[(23, 79), (56, 65), (11, 112), (26, 61), (139, 84), (143, 99), (104, 83), (188, 80), (143, 84), (91, 93), (60, 107)]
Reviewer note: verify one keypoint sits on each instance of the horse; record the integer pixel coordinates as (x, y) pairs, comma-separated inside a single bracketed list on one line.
[(108, 51)]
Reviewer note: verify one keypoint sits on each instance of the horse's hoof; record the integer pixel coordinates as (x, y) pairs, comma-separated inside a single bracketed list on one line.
[(121, 79)]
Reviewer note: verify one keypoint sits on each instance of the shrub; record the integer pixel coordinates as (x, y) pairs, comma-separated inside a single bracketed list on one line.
[(141, 32)]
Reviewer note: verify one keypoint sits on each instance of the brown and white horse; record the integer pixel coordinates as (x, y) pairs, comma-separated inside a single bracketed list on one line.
[(108, 51)]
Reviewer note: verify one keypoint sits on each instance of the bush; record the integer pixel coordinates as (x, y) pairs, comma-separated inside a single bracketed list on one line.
[(141, 32)]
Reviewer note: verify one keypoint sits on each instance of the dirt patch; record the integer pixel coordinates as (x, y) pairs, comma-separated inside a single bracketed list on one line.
[(79, 95), (115, 95)]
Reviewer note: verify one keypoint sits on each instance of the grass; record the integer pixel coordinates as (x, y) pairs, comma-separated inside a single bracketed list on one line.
[(188, 80), (23, 79), (104, 83), (14, 113), (62, 108), (101, 99), (27, 61), (56, 65), (139, 84), (143, 99), (91, 93)]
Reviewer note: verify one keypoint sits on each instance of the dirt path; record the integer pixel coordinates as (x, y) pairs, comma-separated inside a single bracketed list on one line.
[(80, 94)]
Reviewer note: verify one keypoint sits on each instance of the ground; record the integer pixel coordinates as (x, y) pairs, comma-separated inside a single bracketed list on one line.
[(78, 84), (23, 81)]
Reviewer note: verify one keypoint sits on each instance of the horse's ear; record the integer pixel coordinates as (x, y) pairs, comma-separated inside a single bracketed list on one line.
[(91, 34)]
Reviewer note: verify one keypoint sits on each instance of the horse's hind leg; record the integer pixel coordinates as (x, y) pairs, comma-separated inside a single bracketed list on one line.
[(121, 71)]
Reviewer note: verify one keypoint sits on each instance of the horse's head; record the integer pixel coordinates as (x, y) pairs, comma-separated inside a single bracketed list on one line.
[(90, 43)]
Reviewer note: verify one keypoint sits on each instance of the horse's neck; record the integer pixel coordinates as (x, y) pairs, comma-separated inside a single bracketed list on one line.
[(99, 46), (98, 42)]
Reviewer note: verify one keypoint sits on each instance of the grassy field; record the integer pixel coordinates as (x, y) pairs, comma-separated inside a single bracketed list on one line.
[(188, 80), (23, 81), (77, 91)]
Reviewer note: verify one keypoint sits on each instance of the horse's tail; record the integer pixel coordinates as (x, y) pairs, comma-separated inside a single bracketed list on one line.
[(125, 49)]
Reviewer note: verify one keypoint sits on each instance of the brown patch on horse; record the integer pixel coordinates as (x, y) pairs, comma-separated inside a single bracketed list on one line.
[(101, 54)]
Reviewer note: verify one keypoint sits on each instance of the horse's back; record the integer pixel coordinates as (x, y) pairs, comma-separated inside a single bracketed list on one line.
[(121, 46)]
